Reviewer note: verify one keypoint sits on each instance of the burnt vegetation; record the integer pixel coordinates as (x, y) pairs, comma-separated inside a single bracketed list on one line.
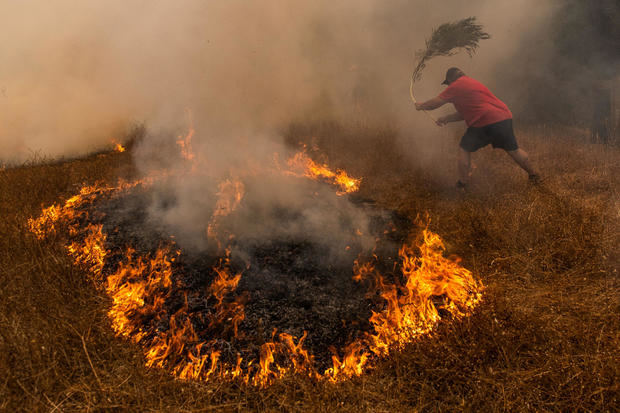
[(289, 284), (546, 336)]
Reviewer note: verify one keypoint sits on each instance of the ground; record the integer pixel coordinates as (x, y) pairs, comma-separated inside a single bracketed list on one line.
[(545, 338)]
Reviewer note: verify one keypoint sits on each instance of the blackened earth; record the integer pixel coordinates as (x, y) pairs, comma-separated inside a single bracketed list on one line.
[(290, 285)]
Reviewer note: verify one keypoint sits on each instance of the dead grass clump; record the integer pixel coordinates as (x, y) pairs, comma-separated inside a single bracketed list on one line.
[(447, 39)]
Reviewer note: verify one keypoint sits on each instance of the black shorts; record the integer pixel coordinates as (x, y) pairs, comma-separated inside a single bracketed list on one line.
[(499, 134)]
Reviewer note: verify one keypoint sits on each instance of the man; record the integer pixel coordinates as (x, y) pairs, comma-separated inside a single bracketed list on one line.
[(488, 119)]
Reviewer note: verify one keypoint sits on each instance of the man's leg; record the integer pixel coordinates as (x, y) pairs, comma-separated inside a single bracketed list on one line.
[(521, 158), (464, 163)]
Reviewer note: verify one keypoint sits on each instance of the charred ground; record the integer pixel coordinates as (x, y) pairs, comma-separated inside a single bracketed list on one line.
[(546, 337), (289, 284)]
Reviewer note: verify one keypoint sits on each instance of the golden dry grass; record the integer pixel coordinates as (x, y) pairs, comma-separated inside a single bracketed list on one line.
[(546, 338)]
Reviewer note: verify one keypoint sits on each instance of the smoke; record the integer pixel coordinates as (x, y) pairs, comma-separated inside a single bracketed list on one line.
[(76, 75), (252, 197), (569, 67)]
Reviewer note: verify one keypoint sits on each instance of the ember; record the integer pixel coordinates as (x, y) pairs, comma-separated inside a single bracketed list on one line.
[(256, 309)]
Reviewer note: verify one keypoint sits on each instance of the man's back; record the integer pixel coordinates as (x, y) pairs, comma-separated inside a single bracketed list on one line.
[(475, 102)]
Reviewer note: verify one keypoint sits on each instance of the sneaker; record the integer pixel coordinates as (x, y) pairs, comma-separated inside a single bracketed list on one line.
[(534, 179), (461, 186)]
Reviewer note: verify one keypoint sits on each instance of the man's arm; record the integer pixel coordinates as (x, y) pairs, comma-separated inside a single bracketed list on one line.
[(434, 103), (453, 117)]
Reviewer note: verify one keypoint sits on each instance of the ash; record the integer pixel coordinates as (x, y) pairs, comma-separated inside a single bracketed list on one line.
[(288, 284)]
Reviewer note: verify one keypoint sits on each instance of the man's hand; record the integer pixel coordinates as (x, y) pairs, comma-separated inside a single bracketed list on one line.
[(418, 106), (441, 121)]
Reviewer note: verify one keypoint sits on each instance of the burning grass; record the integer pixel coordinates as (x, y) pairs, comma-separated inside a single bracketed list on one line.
[(205, 333), (545, 338)]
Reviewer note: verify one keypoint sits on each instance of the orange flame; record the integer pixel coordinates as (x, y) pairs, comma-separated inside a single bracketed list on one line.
[(46, 222), (362, 270), (301, 359), (140, 286), (185, 142), (224, 284), (411, 310), (129, 287), (229, 197), (91, 253), (352, 364), (264, 375), (313, 170)]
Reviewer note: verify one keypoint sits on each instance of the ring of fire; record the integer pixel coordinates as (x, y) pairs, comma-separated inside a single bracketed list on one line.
[(152, 307)]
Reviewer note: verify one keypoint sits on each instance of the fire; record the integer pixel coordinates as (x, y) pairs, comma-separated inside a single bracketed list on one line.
[(55, 216), (222, 286), (52, 216), (265, 375), (91, 253), (118, 147), (352, 364), (46, 222), (362, 270), (185, 142), (301, 359), (430, 282), (428, 287), (229, 197), (313, 170), (138, 287), (195, 368)]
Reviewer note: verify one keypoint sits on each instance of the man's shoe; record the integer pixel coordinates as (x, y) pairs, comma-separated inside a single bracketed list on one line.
[(461, 186)]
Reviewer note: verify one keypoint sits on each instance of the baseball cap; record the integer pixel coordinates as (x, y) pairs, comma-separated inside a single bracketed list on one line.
[(452, 74)]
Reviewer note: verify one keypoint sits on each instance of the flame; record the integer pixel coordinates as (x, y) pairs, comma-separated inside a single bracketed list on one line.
[(430, 282), (265, 375), (301, 359), (352, 364), (140, 285), (229, 197), (411, 310), (362, 270), (168, 345), (45, 224), (185, 142), (339, 178), (118, 147), (223, 285), (91, 252), (195, 367), (55, 215), (137, 288)]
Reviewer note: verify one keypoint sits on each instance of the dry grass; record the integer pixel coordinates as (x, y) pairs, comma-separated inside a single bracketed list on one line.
[(547, 337), (447, 39)]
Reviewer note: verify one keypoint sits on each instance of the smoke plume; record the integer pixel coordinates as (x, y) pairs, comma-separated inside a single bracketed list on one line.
[(77, 75)]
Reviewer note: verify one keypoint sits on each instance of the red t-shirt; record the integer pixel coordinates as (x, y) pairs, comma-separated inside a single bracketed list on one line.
[(478, 106)]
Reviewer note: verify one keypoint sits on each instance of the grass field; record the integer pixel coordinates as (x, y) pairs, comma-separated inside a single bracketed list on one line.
[(545, 338)]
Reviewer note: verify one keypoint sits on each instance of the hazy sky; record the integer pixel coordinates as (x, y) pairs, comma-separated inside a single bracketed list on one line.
[(76, 74)]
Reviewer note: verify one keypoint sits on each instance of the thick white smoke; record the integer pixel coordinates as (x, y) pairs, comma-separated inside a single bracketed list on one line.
[(76, 75)]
